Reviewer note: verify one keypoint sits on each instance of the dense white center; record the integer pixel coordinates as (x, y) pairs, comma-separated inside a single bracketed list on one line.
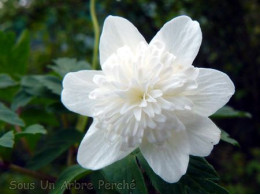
[(140, 92)]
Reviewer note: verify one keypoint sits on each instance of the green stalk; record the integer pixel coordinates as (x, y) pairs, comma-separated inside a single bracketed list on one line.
[(81, 123), (96, 33), (82, 120)]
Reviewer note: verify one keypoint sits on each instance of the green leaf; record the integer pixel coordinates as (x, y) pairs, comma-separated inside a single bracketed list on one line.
[(54, 146), (21, 98), (200, 175), (226, 138), (127, 171), (6, 81), (199, 167), (205, 186), (41, 85), (32, 130), (14, 54), (21, 53), (8, 87), (9, 116), (98, 180), (228, 112), (7, 94), (64, 65), (32, 86), (51, 82), (70, 174), (7, 42), (7, 140)]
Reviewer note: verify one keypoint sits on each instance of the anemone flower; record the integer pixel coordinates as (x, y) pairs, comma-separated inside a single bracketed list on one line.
[(148, 96)]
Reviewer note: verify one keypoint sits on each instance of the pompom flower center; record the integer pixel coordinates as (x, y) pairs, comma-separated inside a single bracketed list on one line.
[(138, 90)]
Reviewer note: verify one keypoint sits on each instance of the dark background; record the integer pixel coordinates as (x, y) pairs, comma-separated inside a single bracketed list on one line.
[(231, 40)]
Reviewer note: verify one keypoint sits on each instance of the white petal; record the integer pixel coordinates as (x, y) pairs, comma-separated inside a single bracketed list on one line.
[(203, 134), (76, 89), (214, 90), (97, 150), (118, 32), (169, 161), (182, 37)]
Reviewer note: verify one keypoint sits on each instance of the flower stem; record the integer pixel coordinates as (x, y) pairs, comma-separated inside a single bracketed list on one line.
[(70, 156), (96, 33), (82, 120), (81, 123)]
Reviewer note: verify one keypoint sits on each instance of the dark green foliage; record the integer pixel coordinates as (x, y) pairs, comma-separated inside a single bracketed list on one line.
[(70, 174), (127, 171), (98, 180), (54, 147), (14, 54), (200, 178)]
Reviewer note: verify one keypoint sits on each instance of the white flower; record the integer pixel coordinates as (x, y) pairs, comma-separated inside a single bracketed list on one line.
[(148, 96)]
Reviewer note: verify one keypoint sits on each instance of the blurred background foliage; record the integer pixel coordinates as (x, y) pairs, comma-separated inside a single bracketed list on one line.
[(36, 32)]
